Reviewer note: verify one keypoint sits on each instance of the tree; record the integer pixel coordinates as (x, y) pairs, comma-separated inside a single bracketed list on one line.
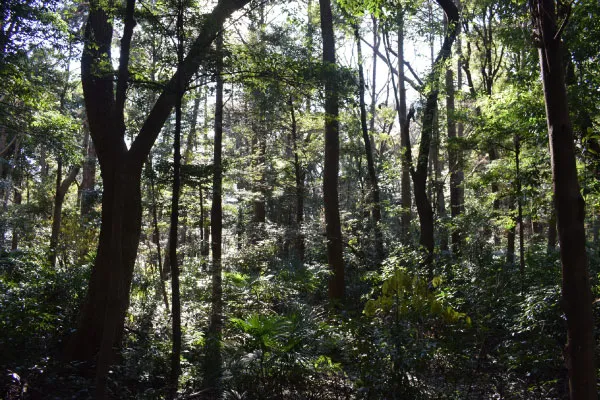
[(212, 364), (576, 294), (374, 196), (102, 316), (419, 174), (333, 229)]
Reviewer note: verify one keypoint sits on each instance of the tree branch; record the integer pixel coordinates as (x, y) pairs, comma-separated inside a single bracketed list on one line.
[(153, 124), (123, 74)]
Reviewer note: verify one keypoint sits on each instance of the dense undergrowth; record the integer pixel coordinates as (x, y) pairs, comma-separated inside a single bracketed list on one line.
[(479, 330)]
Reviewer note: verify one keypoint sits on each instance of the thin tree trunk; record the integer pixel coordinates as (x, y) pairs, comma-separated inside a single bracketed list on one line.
[(156, 238), (374, 196), (511, 234), (212, 366), (299, 178), (438, 186), (570, 213), (454, 155), (173, 234), (419, 174), (404, 120), (62, 187), (335, 256), (517, 141), (88, 177), (7, 189), (17, 200)]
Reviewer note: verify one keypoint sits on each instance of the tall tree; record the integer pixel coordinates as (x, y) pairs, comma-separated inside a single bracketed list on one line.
[(404, 120), (549, 18), (455, 132), (212, 365), (419, 174), (102, 316), (175, 294), (374, 195), (299, 177), (333, 228)]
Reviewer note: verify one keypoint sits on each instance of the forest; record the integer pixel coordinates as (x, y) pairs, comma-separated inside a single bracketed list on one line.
[(311, 199)]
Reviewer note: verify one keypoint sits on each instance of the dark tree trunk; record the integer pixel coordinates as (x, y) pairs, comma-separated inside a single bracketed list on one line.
[(62, 187), (517, 141), (438, 186), (88, 177), (511, 235), (156, 237), (205, 227), (299, 178), (454, 156), (7, 189), (173, 234), (186, 158), (419, 174), (404, 120), (3, 149), (212, 366), (259, 206), (17, 200), (373, 181), (333, 229), (576, 293)]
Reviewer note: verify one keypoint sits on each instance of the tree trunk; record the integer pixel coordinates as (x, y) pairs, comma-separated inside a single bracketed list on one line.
[(404, 120), (438, 186), (88, 178), (7, 189), (173, 234), (299, 175), (212, 366), (576, 293), (333, 229), (374, 196), (517, 141), (511, 234), (61, 190), (454, 156), (17, 200), (419, 174), (156, 237)]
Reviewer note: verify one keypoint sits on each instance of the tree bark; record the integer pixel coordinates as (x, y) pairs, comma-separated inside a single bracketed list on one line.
[(333, 229), (576, 293), (552, 233)]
